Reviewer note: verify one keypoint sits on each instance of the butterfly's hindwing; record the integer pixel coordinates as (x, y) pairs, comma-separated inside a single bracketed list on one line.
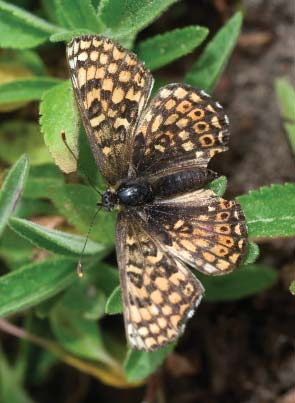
[(159, 292), (112, 87), (204, 231), (182, 128)]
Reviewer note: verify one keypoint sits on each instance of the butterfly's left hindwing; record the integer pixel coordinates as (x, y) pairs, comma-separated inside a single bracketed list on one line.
[(159, 292)]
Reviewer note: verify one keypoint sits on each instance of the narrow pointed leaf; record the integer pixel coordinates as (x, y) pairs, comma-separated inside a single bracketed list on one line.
[(12, 189), (34, 283), (20, 29), (209, 66), (114, 302), (162, 49), (53, 240)]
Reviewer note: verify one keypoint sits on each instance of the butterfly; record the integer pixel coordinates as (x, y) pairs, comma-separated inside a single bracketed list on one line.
[(154, 160)]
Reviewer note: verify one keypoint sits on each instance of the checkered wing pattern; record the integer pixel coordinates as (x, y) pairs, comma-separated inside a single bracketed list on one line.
[(159, 292), (111, 87), (204, 231), (182, 128)]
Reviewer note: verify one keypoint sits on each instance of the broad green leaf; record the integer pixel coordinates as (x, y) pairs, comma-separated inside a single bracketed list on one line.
[(140, 364), (11, 384), (292, 288), (67, 35), (27, 89), (78, 14), (270, 211), (79, 336), (34, 207), (114, 302), (58, 112), (286, 97), (53, 240), (18, 137), (218, 185), (20, 29), (252, 253), (12, 189), (78, 204), (243, 282), (209, 66), (34, 283), (130, 16), (162, 49)]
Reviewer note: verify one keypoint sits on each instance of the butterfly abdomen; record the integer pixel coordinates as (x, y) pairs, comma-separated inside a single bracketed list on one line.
[(182, 182)]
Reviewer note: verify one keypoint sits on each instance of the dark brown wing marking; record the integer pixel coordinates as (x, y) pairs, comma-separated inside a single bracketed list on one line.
[(181, 128), (112, 87), (159, 292)]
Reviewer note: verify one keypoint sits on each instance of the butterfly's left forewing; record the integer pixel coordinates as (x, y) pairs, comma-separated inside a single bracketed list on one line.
[(159, 291), (112, 87)]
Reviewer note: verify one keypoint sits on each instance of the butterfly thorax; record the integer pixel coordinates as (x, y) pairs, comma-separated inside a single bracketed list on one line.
[(128, 194)]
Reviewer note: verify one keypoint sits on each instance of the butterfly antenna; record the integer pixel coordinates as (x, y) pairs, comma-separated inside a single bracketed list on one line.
[(80, 270), (90, 183)]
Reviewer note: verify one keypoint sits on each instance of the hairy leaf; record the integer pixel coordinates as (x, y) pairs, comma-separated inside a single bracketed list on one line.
[(12, 189), (34, 283), (20, 29), (59, 113), (209, 66), (270, 211), (162, 49)]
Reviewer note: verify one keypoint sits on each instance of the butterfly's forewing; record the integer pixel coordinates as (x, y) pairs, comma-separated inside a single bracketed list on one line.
[(159, 292), (182, 128), (111, 87), (204, 231)]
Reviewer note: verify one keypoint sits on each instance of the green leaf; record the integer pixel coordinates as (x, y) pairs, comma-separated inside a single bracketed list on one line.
[(218, 185), (78, 14), (12, 189), (18, 137), (26, 58), (114, 302), (20, 29), (270, 211), (164, 48), (286, 97), (34, 283), (140, 364), (67, 200), (26, 89), (58, 112), (11, 383), (42, 181), (53, 240), (67, 35), (130, 16), (292, 288), (77, 335), (14, 250), (209, 66), (243, 282), (252, 253)]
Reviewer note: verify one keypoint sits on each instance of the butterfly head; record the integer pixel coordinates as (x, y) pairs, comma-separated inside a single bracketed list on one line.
[(109, 200)]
